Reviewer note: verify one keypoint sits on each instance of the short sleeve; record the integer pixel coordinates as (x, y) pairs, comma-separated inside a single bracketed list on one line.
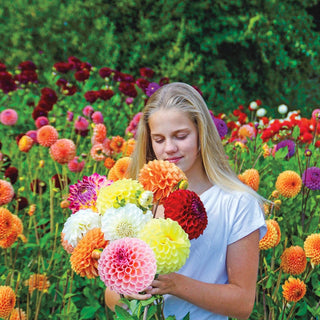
[(247, 217)]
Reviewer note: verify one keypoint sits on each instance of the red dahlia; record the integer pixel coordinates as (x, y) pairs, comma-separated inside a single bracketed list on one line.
[(185, 207)]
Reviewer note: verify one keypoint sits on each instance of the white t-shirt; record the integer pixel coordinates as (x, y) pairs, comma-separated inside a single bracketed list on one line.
[(231, 216)]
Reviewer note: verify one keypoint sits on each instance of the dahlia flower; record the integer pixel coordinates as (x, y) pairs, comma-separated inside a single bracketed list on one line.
[(185, 207), (282, 109), (88, 111), (251, 178), (246, 131), (109, 162), (293, 289), (38, 282), (169, 242), (66, 245), (75, 165), (124, 222), (81, 124), (84, 193), (99, 133), (221, 126), (311, 178), (6, 222), (118, 171), (47, 135), (116, 144), (63, 150), (41, 121), (7, 301), (312, 248), (82, 259), (146, 199), (152, 88), (17, 314), (272, 237), (127, 266), (316, 114), (97, 152), (160, 177), (78, 224), (118, 194), (25, 143), (286, 143), (8, 117), (97, 117), (128, 147), (6, 192), (288, 183), (293, 260), (11, 173)]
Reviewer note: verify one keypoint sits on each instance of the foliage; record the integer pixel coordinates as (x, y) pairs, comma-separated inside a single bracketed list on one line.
[(235, 50)]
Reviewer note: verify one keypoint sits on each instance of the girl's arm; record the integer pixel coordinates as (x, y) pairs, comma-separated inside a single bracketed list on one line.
[(235, 299)]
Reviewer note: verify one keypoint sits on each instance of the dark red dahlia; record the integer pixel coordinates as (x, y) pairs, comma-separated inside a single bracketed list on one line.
[(63, 67), (163, 81), (185, 207), (61, 82), (44, 104), (38, 186), (22, 202), (49, 95), (123, 77), (146, 72), (105, 72), (7, 83), (38, 112), (86, 65), (12, 174), (142, 84), (75, 62), (105, 94), (60, 181), (128, 89), (91, 96), (27, 65), (26, 76), (82, 75), (3, 67)]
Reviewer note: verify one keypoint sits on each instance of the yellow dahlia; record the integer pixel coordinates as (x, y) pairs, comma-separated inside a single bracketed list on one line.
[(25, 143), (294, 289), (82, 260), (118, 194), (293, 260), (169, 242), (288, 183), (160, 177), (312, 248), (7, 301), (251, 178), (272, 237)]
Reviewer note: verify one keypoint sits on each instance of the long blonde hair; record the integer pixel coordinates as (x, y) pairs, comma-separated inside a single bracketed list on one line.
[(184, 97)]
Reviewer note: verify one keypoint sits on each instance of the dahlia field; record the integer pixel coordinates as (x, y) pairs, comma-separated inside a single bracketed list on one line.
[(67, 131)]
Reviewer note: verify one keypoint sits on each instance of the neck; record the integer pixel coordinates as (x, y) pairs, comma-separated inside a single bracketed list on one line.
[(198, 182)]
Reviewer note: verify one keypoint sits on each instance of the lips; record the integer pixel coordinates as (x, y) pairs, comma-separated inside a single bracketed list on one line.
[(174, 160)]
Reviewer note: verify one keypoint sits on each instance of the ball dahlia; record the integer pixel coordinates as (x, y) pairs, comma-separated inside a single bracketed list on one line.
[(6, 222), (38, 282), (311, 178), (17, 314), (160, 177), (288, 183), (99, 133), (6, 192), (272, 237), (185, 207), (293, 260), (75, 165), (312, 248), (47, 135), (7, 301), (127, 266), (293, 289), (63, 150), (251, 178), (97, 152), (82, 260), (25, 143), (119, 169), (8, 117), (169, 242)]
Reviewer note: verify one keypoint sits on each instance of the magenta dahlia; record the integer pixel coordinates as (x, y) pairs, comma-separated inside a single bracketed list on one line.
[(311, 178)]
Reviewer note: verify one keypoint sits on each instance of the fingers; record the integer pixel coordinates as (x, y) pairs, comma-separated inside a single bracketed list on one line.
[(138, 296)]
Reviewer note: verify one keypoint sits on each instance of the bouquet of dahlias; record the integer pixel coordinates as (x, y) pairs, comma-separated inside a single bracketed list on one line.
[(112, 232)]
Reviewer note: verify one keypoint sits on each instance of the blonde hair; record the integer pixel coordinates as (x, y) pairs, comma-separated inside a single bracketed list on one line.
[(185, 98)]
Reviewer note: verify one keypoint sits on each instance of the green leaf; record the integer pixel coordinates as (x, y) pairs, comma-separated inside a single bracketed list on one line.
[(122, 314), (296, 132), (187, 316), (88, 312)]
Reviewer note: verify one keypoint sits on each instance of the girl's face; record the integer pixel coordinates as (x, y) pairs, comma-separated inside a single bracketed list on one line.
[(175, 138)]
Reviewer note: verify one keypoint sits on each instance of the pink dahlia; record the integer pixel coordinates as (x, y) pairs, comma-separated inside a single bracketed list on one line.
[(83, 194), (8, 117), (47, 135), (6, 192), (311, 178), (97, 117), (63, 150), (81, 124), (185, 207), (127, 265), (75, 165), (41, 121)]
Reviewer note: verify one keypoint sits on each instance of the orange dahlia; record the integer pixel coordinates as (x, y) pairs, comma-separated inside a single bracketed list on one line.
[(116, 144), (293, 289), (251, 178), (272, 237), (246, 131), (6, 223), (82, 261), (312, 248), (8, 241), (128, 147), (47, 135), (288, 183), (99, 133), (293, 260), (7, 301), (118, 171), (6, 192), (32, 209), (25, 143), (63, 150), (17, 314), (109, 162), (160, 177), (38, 281)]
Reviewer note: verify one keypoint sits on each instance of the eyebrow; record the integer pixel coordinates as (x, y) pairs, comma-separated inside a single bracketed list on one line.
[(174, 132)]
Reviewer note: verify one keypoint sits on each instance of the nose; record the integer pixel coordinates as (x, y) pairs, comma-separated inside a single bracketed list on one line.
[(170, 146)]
